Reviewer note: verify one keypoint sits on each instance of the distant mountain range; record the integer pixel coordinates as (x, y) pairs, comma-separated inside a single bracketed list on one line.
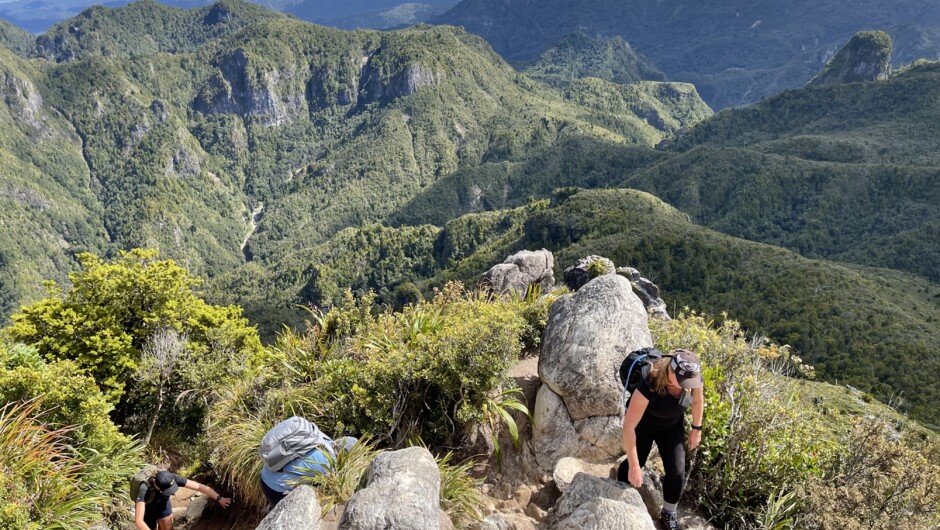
[(37, 16), (735, 51)]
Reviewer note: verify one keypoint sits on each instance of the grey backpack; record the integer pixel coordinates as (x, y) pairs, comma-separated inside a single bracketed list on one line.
[(288, 440)]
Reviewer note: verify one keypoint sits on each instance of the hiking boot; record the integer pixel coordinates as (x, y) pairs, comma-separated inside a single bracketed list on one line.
[(669, 521)]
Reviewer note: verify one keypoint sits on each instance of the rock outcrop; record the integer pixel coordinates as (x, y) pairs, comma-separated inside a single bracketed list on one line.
[(238, 88), (375, 85), (866, 57), (647, 291), (577, 409), (300, 509), (586, 270), (521, 270), (592, 503), (402, 492)]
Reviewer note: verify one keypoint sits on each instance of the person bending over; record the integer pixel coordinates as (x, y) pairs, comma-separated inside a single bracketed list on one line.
[(655, 413), (152, 509)]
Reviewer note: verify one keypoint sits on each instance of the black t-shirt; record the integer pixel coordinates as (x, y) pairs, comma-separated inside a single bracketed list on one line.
[(662, 411), (159, 497)]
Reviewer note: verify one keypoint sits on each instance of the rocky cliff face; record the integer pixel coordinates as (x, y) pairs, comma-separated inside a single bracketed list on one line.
[(866, 57)]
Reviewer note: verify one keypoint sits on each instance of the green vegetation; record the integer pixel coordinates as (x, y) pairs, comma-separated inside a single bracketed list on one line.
[(579, 55), (430, 372), (63, 460), (773, 457)]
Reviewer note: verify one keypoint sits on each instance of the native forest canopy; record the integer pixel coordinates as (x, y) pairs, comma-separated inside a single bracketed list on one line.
[(217, 216)]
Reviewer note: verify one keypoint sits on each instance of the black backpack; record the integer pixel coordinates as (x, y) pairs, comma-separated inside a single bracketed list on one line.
[(635, 367)]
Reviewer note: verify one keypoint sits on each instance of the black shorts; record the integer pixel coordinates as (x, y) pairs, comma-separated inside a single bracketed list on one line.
[(159, 508)]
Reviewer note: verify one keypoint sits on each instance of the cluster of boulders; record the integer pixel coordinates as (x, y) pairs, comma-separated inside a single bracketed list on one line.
[(577, 417)]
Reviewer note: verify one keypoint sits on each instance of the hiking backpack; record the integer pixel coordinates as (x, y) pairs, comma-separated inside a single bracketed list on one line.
[(146, 474), (635, 367), (290, 439)]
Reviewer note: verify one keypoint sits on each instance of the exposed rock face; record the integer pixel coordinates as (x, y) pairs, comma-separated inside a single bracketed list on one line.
[(402, 493), (521, 270), (647, 291), (300, 509), (866, 57), (236, 89), (600, 504), (23, 100), (586, 270), (577, 409), (374, 86)]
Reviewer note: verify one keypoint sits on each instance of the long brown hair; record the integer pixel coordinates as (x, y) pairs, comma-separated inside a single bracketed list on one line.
[(659, 376)]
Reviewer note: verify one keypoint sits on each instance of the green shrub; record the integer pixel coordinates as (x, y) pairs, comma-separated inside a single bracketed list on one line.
[(109, 322), (879, 479), (758, 440), (43, 478)]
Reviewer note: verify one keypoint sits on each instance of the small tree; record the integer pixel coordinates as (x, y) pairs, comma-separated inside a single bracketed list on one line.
[(160, 356)]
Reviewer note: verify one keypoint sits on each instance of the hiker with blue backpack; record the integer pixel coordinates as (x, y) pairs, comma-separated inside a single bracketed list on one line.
[(292, 450), (662, 387)]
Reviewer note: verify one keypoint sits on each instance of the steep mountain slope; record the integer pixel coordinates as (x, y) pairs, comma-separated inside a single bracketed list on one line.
[(734, 51), (579, 55), (270, 139), (47, 210)]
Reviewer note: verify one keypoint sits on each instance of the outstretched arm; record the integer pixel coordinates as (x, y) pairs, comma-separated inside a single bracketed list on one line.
[(638, 404), (214, 495), (698, 409)]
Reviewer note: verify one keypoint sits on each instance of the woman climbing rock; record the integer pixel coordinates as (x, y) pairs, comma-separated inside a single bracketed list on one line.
[(655, 413)]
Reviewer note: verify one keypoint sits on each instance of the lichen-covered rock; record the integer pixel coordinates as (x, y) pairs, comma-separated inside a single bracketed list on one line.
[(577, 276), (300, 509), (600, 504), (521, 270), (647, 291), (586, 338), (402, 493)]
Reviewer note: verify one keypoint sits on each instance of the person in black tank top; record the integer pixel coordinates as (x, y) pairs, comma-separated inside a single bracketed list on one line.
[(654, 414)]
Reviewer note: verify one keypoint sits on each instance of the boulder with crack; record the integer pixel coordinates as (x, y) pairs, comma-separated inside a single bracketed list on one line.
[(578, 408)]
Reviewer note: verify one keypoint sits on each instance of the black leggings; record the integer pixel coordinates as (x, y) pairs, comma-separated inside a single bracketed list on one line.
[(671, 444)]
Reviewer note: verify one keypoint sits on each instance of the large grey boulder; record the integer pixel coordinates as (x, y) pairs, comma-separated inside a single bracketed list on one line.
[(300, 509), (600, 504), (647, 291), (520, 270), (588, 268), (402, 493), (577, 410)]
